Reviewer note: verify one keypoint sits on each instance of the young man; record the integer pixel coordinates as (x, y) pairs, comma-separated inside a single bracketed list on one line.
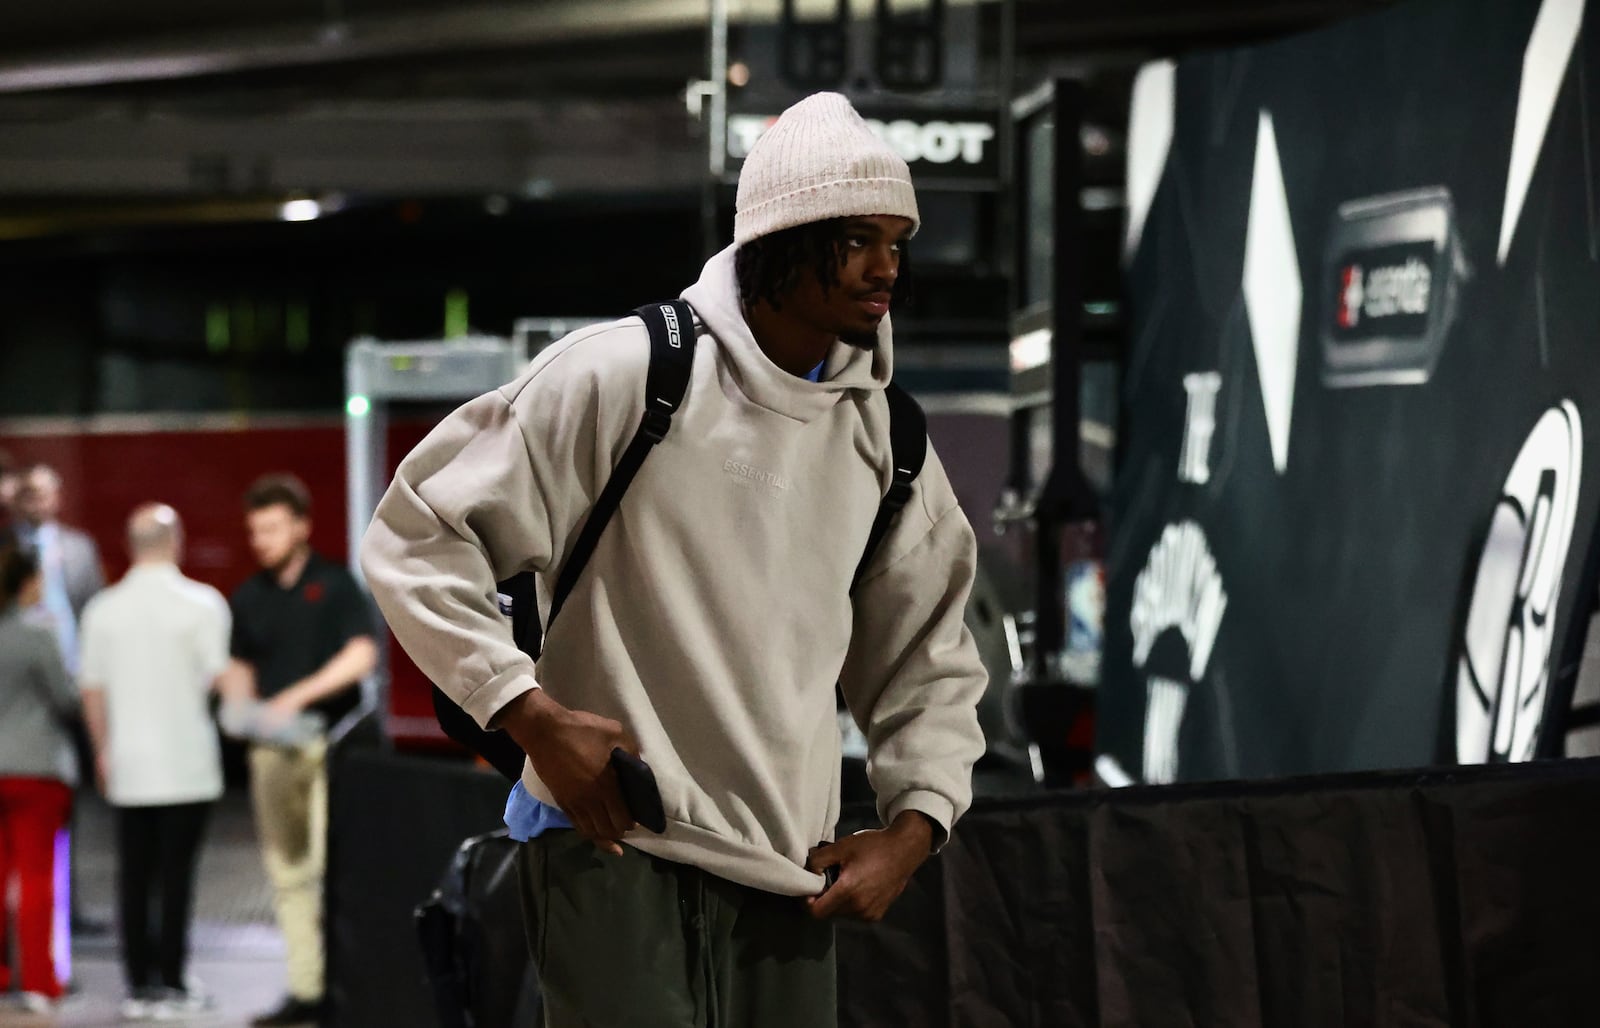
[(716, 613), (154, 644), (302, 641)]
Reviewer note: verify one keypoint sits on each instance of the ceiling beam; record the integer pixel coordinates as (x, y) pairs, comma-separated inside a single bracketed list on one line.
[(428, 148), (457, 28)]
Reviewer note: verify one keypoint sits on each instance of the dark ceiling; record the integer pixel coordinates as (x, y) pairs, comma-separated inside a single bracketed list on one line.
[(188, 100), (104, 41)]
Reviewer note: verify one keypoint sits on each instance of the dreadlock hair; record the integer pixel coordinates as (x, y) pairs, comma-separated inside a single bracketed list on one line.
[(770, 266)]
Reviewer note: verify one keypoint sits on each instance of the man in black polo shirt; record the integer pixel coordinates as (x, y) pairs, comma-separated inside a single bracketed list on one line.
[(302, 643)]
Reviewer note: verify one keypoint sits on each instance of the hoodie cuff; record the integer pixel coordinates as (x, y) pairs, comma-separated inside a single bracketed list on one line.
[(938, 809), (487, 701)]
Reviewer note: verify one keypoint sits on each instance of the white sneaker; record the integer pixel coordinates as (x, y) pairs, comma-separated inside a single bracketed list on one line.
[(39, 1003), (140, 1005), (167, 1010), (196, 998), (176, 1005)]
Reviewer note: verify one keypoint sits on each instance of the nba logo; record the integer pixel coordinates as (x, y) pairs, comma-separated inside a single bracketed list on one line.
[(1350, 296)]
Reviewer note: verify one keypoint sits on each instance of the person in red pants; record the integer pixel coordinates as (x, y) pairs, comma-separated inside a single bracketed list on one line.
[(37, 704)]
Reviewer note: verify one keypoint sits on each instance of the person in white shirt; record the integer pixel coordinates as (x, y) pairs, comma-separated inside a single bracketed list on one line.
[(153, 646)]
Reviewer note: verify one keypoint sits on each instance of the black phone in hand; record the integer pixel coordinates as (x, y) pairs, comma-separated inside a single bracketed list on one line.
[(639, 790)]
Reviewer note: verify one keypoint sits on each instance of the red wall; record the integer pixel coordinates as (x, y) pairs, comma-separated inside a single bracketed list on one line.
[(203, 474), (201, 467)]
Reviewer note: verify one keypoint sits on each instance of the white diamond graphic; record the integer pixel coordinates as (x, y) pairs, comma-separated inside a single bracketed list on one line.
[(1272, 291), (1149, 142), (1544, 66)]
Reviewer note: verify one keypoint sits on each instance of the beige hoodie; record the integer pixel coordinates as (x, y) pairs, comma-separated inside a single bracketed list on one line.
[(714, 616)]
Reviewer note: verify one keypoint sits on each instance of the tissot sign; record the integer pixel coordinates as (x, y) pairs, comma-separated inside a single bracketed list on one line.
[(947, 144)]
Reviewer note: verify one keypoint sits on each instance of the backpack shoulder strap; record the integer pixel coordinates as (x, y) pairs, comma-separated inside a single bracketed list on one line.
[(672, 338), (908, 449)]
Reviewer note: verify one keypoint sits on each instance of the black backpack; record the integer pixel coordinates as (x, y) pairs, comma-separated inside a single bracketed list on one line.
[(672, 341), (472, 939)]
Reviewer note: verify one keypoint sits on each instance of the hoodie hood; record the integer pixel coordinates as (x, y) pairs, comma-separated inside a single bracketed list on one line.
[(715, 299)]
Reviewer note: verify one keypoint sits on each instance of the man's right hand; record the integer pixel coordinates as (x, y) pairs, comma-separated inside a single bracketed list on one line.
[(571, 753)]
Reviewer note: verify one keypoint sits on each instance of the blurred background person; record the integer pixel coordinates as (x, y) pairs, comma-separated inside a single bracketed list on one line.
[(10, 485), (69, 561), (37, 706), (302, 642), (71, 573), (153, 646)]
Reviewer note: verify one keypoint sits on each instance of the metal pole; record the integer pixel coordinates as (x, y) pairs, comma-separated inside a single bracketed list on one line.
[(719, 88), (365, 454), (716, 129), (1007, 203)]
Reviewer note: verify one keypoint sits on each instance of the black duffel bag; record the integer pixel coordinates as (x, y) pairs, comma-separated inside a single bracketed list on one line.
[(472, 935)]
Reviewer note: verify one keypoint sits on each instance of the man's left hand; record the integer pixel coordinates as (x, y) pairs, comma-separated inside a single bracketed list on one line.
[(874, 868)]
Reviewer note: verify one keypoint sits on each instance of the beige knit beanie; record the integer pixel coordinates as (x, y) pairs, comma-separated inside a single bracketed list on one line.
[(819, 160)]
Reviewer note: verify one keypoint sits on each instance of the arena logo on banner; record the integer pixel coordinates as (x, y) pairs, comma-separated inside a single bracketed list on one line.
[(1387, 291), (1180, 588), (1392, 271)]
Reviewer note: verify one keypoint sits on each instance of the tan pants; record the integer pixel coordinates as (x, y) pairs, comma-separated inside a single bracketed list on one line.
[(289, 789)]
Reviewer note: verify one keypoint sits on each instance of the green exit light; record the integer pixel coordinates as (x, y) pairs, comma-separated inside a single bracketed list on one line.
[(357, 406), (456, 324), (217, 327)]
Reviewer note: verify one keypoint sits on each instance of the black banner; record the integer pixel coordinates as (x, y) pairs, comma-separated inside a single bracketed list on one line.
[(1445, 900), (1355, 515), (1458, 898)]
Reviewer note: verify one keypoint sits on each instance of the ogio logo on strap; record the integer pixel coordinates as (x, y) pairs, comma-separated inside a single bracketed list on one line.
[(674, 339)]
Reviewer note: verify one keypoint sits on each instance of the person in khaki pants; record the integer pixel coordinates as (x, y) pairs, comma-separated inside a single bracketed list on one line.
[(302, 641), (289, 790)]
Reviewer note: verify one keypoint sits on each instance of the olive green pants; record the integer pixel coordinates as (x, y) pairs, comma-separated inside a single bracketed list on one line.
[(639, 942)]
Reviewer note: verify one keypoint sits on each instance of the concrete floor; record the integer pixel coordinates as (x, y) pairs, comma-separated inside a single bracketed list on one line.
[(235, 948)]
